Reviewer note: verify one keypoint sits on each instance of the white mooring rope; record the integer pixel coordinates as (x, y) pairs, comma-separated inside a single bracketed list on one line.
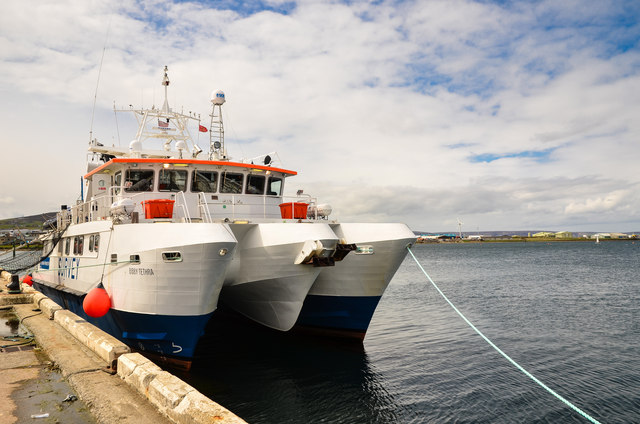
[(527, 373)]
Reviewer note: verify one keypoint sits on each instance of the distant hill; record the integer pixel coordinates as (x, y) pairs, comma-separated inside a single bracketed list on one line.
[(484, 233), (33, 221), (511, 233)]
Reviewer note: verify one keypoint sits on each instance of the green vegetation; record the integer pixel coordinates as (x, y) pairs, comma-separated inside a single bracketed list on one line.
[(30, 222), (537, 240), (32, 246)]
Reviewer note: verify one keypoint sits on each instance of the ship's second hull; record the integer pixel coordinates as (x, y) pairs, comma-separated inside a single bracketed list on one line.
[(343, 298), (339, 316)]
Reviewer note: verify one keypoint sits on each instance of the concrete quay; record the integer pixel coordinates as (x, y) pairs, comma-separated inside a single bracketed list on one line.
[(116, 386)]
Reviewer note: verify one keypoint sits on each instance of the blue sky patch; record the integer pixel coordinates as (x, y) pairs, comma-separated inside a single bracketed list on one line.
[(247, 7), (541, 156)]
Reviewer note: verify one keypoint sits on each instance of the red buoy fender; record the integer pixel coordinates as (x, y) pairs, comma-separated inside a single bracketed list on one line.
[(96, 303), (28, 280)]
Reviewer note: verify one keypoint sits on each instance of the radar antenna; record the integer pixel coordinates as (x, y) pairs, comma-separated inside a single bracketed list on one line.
[(165, 82)]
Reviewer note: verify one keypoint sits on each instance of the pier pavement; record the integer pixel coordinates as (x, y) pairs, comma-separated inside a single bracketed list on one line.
[(25, 371), (72, 358)]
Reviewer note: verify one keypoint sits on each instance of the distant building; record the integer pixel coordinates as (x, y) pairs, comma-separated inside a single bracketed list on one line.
[(544, 234), (564, 234), (427, 238)]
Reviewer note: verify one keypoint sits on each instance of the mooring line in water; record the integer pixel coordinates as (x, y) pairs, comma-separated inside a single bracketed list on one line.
[(486, 339)]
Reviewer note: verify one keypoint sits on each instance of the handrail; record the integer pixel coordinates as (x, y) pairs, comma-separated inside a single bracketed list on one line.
[(183, 205), (203, 206), (240, 206)]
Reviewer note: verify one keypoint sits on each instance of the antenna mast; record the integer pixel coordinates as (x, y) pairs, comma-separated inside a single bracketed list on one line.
[(95, 95), (165, 82), (217, 150)]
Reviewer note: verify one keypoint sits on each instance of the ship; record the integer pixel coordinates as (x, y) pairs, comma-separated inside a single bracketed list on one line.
[(167, 231)]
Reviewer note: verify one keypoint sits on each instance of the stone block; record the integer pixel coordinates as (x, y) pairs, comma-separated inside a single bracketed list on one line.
[(5, 277), (142, 376), (166, 391), (195, 408), (38, 297), (128, 362), (49, 307), (104, 345)]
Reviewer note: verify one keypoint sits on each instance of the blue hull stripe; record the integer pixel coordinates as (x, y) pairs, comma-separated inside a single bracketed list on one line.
[(167, 335), (352, 313)]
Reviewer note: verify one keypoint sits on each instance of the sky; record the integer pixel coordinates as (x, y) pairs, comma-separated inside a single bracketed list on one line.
[(518, 115)]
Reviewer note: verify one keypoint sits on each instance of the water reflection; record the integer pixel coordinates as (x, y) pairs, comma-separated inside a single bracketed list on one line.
[(11, 323), (266, 376)]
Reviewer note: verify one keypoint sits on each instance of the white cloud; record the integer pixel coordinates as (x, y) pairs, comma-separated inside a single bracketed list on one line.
[(379, 107)]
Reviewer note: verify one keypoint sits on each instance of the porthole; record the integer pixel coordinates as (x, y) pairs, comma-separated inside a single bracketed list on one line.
[(364, 250), (172, 256)]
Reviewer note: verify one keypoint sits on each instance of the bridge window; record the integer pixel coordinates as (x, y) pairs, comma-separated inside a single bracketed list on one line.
[(204, 181), (67, 246), (117, 180), (138, 180), (171, 180), (231, 182), (255, 184), (274, 187), (78, 245)]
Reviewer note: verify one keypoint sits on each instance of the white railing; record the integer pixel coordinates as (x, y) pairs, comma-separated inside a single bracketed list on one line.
[(203, 208), (245, 206), (183, 206), (234, 207)]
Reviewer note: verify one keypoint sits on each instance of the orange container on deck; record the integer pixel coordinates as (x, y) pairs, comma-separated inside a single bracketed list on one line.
[(158, 208), (293, 210)]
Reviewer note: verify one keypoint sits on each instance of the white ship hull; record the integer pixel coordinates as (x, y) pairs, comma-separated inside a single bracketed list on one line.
[(264, 283), (343, 298), (158, 306)]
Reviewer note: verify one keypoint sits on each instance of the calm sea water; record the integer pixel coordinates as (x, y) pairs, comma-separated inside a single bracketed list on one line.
[(567, 312)]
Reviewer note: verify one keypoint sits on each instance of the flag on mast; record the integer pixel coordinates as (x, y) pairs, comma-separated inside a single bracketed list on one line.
[(202, 128)]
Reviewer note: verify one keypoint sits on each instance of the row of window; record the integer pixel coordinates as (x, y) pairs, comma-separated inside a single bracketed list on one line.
[(78, 244), (201, 181)]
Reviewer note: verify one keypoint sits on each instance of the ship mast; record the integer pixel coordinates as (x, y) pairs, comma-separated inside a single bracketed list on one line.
[(165, 82), (217, 151)]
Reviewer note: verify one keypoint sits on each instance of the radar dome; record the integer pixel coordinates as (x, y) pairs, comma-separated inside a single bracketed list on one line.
[(217, 98), (135, 146)]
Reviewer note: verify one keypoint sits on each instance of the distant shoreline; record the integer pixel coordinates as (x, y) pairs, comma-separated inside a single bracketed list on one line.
[(522, 240)]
